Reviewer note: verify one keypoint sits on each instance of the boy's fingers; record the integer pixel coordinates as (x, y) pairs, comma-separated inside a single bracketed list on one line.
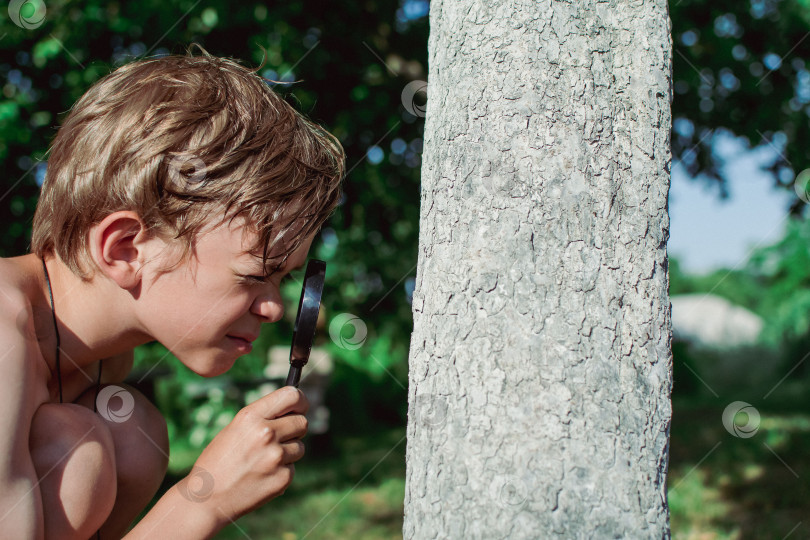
[(283, 401), (293, 451), (289, 427)]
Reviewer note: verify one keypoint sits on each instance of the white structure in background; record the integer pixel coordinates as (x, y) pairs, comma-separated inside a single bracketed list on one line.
[(713, 322)]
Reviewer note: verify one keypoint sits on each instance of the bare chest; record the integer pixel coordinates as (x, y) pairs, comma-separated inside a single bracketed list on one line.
[(74, 380)]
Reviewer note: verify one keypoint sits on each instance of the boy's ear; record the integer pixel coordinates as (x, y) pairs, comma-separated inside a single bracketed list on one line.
[(118, 244)]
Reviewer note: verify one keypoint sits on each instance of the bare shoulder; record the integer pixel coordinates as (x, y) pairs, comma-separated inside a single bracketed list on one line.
[(18, 335), (23, 373), (16, 317), (12, 284)]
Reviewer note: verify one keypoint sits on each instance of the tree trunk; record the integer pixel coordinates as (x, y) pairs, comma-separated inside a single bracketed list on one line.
[(540, 363)]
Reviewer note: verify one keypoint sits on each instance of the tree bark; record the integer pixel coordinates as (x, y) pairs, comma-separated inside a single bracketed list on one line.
[(540, 362)]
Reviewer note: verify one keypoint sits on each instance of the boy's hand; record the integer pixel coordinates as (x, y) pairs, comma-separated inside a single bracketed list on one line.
[(251, 460)]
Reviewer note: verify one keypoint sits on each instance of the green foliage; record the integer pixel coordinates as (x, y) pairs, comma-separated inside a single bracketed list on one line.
[(784, 270), (739, 66)]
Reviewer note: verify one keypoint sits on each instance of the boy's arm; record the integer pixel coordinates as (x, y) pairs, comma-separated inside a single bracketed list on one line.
[(178, 517), (21, 514), (248, 463)]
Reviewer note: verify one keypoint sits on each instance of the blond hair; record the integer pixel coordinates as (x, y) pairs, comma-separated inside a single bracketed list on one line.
[(178, 139)]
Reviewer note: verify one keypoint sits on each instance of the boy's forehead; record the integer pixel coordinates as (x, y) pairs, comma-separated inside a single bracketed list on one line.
[(249, 240), (294, 261)]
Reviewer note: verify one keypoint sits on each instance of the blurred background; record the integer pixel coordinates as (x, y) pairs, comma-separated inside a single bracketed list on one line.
[(739, 258)]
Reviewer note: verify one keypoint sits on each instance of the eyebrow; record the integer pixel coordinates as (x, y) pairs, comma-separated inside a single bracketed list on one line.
[(270, 264)]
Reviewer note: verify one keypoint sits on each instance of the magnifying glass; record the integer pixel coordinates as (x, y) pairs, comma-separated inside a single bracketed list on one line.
[(306, 320)]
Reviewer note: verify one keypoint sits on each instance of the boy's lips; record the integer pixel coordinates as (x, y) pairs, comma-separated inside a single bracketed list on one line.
[(250, 338), (241, 343)]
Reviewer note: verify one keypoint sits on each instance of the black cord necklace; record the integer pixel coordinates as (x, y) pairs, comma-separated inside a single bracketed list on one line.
[(56, 330)]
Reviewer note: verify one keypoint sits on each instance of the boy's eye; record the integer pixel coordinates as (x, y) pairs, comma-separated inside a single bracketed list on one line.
[(254, 279), (263, 279)]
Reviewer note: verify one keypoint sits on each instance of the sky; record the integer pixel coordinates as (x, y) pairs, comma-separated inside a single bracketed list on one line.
[(706, 232)]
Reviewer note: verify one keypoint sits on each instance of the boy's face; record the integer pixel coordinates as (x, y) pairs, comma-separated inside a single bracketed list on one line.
[(200, 309)]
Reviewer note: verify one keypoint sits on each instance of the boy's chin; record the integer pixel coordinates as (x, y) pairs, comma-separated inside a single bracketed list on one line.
[(209, 367)]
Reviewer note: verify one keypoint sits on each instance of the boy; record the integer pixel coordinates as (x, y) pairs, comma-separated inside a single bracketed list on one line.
[(179, 192)]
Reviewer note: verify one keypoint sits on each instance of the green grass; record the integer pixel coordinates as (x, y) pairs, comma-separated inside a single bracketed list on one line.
[(370, 512)]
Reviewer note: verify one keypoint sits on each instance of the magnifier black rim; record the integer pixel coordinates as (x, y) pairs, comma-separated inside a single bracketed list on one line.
[(307, 317)]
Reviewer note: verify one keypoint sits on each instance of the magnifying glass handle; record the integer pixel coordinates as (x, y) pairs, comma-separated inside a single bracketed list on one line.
[(294, 376)]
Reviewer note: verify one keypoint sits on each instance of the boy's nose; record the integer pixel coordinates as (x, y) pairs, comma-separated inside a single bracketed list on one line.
[(269, 307)]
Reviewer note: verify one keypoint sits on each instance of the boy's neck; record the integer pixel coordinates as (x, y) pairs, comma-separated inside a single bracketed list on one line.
[(94, 318)]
